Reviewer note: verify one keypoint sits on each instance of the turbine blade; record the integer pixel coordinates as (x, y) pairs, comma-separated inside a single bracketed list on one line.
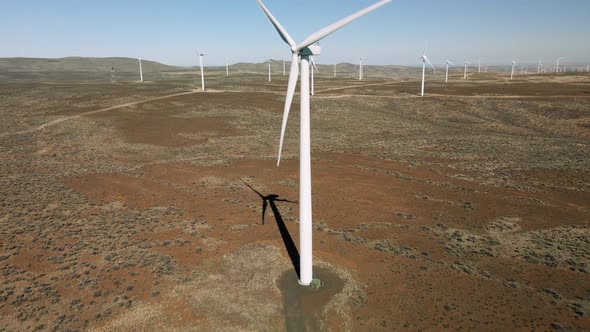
[(293, 76), (314, 66), (282, 32), (426, 58), (315, 37)]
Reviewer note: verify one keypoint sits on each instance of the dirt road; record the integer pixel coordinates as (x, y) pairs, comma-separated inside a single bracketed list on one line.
[(57, 121)]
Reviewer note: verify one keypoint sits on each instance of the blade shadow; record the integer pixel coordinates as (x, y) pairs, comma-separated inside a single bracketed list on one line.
[(270, 200)]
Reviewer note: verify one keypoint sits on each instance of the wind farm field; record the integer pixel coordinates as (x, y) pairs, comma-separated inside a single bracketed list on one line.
[(155, 206)]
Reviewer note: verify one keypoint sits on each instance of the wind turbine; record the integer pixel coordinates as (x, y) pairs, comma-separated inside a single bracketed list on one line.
[(539, 67), (513, 69), (312, 61), (424, 59), (284, 67), (226, 67), (113, 77), (201, 55), (140, 70), (447, 74), (465, 73), (304, 50), (361, 69), (479, 64), (557, 67), (269, 74)]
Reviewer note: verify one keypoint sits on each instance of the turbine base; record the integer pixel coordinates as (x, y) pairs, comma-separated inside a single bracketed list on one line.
[(304, 284)]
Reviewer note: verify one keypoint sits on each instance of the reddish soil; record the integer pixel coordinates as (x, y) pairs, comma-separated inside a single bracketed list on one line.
[(399, 289)]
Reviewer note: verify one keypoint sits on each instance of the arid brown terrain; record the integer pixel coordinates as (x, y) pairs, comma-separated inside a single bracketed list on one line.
[(140, 206)]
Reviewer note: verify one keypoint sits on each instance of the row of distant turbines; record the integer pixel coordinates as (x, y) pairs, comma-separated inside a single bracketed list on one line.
[(540, 69)]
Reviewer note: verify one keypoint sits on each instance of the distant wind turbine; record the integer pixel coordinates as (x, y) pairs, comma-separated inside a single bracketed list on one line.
[(557, 66), (269, 74), (201, 55), (140, 70), (304, 50), (284, 67), (313, 66), (447, 74), (465, 72), (361, 69), (424, 59), (513, 69), (539, 67), (479, 64), (226, 67)]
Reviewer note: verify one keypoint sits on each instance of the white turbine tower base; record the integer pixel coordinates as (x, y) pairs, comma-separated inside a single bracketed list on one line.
[(305, 50)]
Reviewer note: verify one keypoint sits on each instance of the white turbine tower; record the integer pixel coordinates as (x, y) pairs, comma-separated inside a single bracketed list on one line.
[(304, 50), (447, 74), (226, 67), (361, 69), (513, 69), (201, 55), (424, 59), (269, 74), (465, 72), (140, 70), (557, 67), (539, 67)]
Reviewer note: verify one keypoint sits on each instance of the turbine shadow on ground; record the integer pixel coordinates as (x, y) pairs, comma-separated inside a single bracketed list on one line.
[(270, 200)]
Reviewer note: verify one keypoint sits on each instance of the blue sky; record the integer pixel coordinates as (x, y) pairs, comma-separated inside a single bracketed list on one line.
[(170, 31)]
